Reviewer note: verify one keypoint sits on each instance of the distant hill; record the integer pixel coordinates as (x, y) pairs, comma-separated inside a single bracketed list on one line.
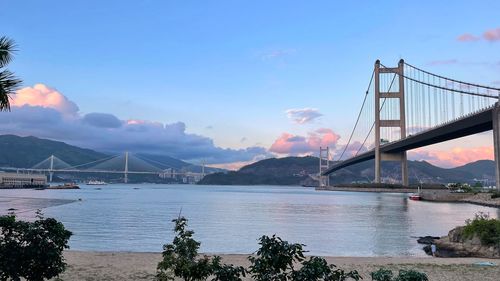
[(25, 152), (296, 170)]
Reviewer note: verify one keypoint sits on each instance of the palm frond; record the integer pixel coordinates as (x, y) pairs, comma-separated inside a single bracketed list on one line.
[(7, 49), (9, 83)]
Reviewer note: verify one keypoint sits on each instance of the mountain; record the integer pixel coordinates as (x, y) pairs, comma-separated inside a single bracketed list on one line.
[(296, 171), (25, 152)]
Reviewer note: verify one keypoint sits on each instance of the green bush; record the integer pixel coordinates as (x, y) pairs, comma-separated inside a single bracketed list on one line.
[(486, 228), (382, 275), (404, 275), (32, 250), (411, 275), (274, 261), (495, 194)]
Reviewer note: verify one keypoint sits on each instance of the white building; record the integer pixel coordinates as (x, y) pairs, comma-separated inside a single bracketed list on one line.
[(13, 180)]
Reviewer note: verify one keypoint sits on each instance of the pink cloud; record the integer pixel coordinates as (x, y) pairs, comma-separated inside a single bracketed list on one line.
[(44, 96), (467, 37), (492, 35), (457, 156), (44, 112), (301, 145)]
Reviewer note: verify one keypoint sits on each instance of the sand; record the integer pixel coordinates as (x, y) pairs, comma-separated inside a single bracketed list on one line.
[(142, 266)]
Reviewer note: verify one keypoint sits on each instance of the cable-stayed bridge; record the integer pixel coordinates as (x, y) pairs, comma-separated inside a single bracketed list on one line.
[(406, 107), (124, 164)]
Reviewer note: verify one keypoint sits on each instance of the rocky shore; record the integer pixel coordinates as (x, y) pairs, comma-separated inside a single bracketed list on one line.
[(455, 245)]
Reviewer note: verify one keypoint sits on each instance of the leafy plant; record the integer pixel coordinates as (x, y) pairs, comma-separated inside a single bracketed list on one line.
[(180, 257), (8, 82), (275, 259), (316, 269), (382, 275), (226, 272), (487, 229), (404, 275), (411, 275), (32, 250)]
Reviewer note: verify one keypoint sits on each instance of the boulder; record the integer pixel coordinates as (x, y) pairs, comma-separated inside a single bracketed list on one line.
[(456, 245)]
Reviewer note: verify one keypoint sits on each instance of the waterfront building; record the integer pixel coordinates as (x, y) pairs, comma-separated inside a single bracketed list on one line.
[(14, 180)]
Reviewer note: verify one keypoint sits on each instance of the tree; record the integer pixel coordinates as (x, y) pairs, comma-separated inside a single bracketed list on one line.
[(32, 250), (8, 82), (275, 259), (180, 257)]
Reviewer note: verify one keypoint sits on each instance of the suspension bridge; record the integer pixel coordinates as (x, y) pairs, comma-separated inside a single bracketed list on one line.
[(406, 107), (125, 164)]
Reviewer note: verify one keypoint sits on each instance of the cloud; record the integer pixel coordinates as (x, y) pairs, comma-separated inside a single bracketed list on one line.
[(276, 54), (302, 145), (304, 115), (102, 120), (467, 37), (443, 62), (452, 158), (44, 96), (43, 112), (492, 35)]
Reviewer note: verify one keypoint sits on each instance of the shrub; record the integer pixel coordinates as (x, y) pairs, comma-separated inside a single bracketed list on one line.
[(404, 275), (275, 259), (227, 272), (486, 228), (316, 269), (180, 257), (382, 275), (411, 275), (495, 194), (32, 250)]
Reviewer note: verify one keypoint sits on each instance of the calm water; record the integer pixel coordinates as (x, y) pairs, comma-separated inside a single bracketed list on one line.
[(229, 219)]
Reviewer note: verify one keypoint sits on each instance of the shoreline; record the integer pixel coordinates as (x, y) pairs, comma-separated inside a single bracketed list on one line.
[(430, 195), (86, 265)]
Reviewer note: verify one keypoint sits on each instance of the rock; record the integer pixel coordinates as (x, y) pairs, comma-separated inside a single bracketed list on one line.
[(456, 245), (456, 234), (427, 240)]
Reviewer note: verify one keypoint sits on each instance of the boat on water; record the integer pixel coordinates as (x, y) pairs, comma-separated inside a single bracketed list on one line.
[(96, 182), (416, 196), (69, 185)]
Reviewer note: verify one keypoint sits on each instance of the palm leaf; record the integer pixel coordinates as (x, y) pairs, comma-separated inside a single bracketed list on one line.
[(7, 48), (8, 85)]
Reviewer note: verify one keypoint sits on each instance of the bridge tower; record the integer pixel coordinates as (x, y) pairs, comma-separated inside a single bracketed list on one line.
[(496, 141), (324, 164), (125, 171), (394, 123), (51, 168)]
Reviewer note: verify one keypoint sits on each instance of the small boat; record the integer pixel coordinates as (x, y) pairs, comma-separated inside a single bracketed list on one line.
[(96, 182), (416, 196)]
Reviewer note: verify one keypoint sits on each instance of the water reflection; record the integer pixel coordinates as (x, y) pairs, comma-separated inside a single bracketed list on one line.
[(231, 219)]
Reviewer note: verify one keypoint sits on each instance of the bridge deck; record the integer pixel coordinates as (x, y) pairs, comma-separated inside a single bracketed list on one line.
[(471, 124)]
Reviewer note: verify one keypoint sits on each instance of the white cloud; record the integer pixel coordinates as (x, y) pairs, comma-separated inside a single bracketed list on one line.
[(303, 115)]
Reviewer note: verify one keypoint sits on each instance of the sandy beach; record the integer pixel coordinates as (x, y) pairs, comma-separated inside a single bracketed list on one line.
[(142, 266)]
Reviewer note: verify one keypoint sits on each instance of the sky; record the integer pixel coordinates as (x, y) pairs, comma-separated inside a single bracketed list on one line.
[(232, 82)]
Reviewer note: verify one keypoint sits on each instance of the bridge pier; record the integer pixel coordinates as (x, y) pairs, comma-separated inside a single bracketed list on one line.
[(496, 142)]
